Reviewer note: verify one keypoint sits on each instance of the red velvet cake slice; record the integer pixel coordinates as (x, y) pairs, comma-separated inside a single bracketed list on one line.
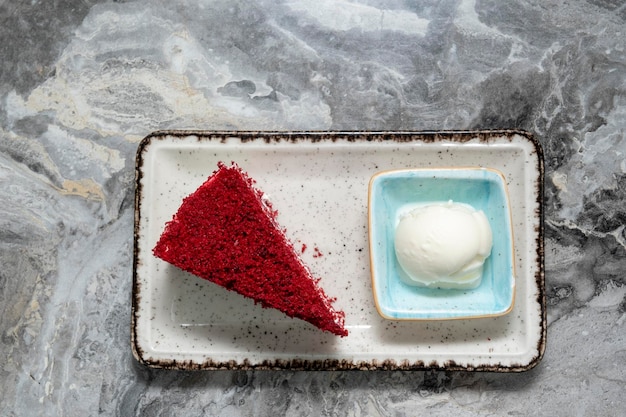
[(226, 233)]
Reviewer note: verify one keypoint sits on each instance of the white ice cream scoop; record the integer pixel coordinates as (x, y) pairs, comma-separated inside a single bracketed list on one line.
[(443, 245)]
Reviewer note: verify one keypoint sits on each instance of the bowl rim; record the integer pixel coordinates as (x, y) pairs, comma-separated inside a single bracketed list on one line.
[(372, 251)]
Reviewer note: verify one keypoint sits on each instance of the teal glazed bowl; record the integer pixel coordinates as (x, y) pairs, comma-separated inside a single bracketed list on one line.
[(390, 193)]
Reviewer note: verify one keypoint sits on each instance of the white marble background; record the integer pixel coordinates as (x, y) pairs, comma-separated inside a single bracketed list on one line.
[(81, 82)]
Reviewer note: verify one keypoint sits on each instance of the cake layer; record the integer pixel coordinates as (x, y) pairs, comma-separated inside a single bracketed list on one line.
[(226, 233)]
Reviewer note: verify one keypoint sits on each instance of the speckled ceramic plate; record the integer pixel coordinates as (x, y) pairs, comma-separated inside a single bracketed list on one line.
[(319, 184)]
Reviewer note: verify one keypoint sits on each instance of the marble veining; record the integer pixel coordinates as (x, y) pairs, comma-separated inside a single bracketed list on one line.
[(81, 82)]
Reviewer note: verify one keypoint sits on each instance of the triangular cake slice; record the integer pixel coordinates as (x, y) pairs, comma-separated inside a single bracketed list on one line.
[(225, 232)]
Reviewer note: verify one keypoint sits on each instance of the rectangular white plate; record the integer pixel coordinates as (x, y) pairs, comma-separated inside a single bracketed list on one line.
[(318, 183)]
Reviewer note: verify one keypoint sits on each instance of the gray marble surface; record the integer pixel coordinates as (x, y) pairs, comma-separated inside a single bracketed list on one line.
[(81, 82)]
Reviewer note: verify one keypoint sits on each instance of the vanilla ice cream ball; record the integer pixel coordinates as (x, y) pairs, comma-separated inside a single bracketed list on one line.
[(443, 245)]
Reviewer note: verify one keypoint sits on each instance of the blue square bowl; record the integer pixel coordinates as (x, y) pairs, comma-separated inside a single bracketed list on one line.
[(482, 188)]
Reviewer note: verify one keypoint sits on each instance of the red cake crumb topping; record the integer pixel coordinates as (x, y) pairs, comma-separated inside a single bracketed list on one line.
[(226, 233)]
